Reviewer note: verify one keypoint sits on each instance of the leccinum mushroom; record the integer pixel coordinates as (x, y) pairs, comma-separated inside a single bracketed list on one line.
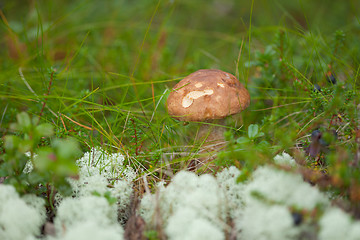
[(206, 95)]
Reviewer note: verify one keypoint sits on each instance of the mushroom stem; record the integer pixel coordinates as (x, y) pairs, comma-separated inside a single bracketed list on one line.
[(211, 138)]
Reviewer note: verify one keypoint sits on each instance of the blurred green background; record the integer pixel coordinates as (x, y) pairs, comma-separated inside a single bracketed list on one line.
[(116, 58), (184, 35)]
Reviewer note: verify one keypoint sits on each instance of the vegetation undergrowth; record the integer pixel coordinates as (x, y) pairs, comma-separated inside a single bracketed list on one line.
[(85, 75)]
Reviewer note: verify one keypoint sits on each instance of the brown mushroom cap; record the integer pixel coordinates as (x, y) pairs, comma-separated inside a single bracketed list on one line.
[(207, 94)]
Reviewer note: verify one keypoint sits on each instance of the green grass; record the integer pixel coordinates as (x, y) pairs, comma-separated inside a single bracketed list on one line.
[(100, 71)]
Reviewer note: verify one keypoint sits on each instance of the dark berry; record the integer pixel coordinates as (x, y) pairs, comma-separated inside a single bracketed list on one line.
[(297, 218), (317, 88), (331, 78)]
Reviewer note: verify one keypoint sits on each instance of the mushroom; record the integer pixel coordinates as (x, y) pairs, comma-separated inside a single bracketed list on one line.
[(207, 95)]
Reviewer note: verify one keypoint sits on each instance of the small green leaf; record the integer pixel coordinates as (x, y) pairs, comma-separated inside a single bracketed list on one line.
[(111, 200), (25, 145), (11, 142), (24, 121), (245, 174), (64, 187), (35, 120), (260, 134), (263, 144), (45, 130), (14, 126), (96, 193), (45, 160), (151, 235), (253, 131), (34, 178), (4, 169), (228, 135), (66, 149), (241, 140)]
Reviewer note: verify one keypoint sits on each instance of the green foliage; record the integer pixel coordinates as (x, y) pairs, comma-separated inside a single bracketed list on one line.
[(31, 168), (151, 235), (107, 195), (244, 175), (247, 151)]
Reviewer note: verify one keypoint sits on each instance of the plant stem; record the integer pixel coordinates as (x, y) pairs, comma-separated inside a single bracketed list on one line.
[(48, 92)]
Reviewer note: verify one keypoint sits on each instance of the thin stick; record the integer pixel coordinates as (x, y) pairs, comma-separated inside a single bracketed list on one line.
[(79, 124), (47, 94), (238, 59), (3, 115), (32, 91)]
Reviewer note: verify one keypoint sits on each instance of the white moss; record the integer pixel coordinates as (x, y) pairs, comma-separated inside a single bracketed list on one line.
[(268, 197), (122, 191), (90, 230), (233, 191), (336, 224), (284, 188), (147, 208), (99, 173), (259, 207), (199, 195), (87, 216), (97, 184), (108, 165), (262, 222), (284, 159), (187, 224), (36, 203), (87, 185), (19, 220), (73, 211)]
